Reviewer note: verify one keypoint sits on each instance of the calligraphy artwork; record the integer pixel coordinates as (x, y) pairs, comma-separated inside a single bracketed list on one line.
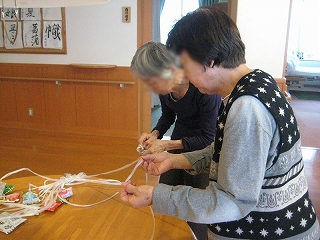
[(30, 14), (13, 34), (10, 13), (32, 34), (33, 30), (52, 34)]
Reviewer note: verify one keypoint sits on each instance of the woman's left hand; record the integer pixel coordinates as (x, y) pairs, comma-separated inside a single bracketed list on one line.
[(135, 196), (156, 146)]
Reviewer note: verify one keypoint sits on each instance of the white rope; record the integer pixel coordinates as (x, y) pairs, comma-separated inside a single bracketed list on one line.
[(49, 191)]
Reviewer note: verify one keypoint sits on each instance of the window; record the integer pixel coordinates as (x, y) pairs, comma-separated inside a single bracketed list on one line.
[(172, 11), (304, 36)]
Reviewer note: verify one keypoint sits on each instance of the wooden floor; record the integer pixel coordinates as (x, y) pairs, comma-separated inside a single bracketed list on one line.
[(58, 153), (308, 116)]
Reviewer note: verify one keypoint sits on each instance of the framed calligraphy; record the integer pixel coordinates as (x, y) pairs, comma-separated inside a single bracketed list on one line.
[(33, 30)]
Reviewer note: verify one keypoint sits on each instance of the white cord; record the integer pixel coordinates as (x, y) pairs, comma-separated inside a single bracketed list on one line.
[(49, 191)]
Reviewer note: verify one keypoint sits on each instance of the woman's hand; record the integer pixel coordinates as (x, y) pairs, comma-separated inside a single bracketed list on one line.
[(146, 138), (135, 196), (156, 164), (156, 146)]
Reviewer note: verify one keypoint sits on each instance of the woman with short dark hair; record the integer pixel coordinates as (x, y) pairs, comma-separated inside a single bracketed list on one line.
[(258, 189)]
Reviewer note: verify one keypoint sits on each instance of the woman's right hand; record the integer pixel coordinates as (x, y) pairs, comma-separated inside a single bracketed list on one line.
[(156, 164), (146, 138)]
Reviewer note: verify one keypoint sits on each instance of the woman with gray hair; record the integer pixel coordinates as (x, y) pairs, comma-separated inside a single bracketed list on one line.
[(193, 113)]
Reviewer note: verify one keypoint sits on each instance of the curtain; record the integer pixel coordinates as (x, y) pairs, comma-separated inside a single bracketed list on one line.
[(207, 2), (304, 32), (157, 7)]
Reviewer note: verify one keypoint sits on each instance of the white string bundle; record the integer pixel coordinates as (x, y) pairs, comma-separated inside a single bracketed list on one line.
[(49, 192)]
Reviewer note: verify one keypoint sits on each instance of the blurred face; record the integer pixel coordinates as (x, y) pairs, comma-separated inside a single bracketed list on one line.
[(158, 85), (198, 75)]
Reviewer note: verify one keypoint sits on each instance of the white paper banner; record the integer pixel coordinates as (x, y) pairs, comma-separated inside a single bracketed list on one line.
[(32, 34), (10, 14), (30, 14), (52, 34), (13, 30)]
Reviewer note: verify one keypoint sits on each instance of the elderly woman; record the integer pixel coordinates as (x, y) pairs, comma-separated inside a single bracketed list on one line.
[(193, 113), (258, 188)]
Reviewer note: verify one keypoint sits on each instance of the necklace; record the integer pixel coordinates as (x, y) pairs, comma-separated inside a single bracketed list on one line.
[(172, 98)]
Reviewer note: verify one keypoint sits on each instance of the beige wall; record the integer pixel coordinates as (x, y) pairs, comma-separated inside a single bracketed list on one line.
[(95, 34)]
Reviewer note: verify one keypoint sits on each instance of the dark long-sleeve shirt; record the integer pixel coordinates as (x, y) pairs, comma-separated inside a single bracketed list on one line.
[(194, 116)]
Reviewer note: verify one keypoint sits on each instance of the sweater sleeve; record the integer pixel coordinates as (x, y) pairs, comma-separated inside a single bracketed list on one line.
[(167, 118), (200, 160), (248, 132), (208, 111)]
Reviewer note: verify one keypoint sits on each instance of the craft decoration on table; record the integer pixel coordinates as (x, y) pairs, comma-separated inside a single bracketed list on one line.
[(14, 207), (140, 149), (8, 189), (57, 204), (10, 223)]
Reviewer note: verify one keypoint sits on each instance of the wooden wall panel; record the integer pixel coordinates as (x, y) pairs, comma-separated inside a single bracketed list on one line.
[(233, 9), (68, 98), (123, 110), (144, 21), (30, 94), (8, 107), (94, 74), (92, 103), (281, 83), (60, 100), (27, 70), (121, 74), (144, 35), (57, 71), (6, 70), (91, 107)]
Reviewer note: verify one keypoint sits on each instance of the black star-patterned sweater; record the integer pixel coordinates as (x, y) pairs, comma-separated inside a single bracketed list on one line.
[(258, 188)]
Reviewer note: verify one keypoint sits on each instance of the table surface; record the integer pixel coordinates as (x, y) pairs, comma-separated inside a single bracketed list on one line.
[(108, 220)]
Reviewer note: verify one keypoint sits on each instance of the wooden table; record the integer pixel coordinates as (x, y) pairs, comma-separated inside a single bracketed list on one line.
[(109, 220)]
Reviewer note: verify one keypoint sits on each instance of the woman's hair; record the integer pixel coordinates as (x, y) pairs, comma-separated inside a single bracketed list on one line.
[(208, 34), (153, 60)]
